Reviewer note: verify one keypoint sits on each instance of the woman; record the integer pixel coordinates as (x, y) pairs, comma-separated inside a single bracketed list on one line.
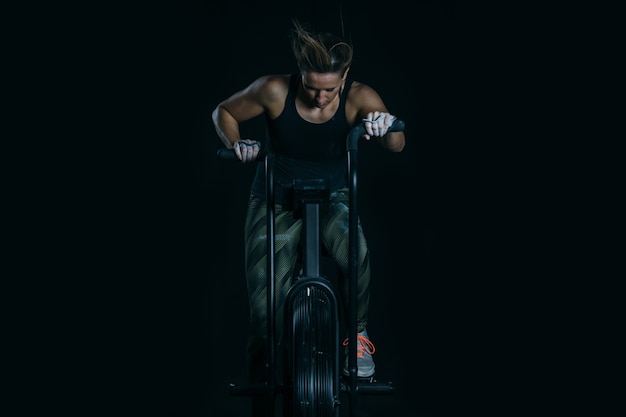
[(308, 116)]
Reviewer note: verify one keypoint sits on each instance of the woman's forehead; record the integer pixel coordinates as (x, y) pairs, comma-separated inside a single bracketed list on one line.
[(322, 80)]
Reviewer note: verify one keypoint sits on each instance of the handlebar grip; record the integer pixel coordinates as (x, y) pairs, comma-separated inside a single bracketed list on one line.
[(359, 130), (225, 153), (397, 126), (229, 154)]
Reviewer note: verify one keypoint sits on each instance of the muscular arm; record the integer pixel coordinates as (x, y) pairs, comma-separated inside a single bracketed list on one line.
[(265, 94), (364, 101)]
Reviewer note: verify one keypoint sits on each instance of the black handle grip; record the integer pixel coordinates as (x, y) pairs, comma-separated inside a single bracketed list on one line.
[(359, 130), (229, 154), (224, 153)]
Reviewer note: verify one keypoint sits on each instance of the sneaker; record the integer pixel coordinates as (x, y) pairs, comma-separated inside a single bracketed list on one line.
[(364, 361)]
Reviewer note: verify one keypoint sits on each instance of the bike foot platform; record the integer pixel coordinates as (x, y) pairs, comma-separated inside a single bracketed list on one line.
[(365, 386), (369, 386)]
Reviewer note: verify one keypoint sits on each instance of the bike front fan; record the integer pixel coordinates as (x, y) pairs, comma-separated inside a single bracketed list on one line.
[(312, 363)]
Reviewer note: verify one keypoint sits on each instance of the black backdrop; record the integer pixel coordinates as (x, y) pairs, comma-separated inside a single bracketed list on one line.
[(408, 55), (482, 235), (183, 210), (170, 229)]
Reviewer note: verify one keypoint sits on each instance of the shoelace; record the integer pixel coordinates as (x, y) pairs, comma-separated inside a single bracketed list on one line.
[(364, 345)]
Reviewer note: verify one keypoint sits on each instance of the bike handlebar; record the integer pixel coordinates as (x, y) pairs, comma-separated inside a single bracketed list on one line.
[(351, 143), (225, 153), (357, 131)]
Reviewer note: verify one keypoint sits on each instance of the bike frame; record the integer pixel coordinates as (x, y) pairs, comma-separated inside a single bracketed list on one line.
[(311, 268)]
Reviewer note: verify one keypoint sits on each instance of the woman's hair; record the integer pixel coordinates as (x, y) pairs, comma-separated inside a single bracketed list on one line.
[(323, 52)]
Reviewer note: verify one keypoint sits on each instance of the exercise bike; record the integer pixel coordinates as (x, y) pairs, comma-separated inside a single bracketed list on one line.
[(310, 380)]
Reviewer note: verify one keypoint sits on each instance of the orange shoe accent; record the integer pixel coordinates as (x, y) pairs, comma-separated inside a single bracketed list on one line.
[(364, 346)]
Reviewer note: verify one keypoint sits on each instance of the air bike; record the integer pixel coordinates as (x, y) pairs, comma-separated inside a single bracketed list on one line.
[(310, 381)]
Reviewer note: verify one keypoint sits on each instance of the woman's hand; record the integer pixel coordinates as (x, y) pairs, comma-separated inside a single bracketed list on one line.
[(247, 150), (377, 124)]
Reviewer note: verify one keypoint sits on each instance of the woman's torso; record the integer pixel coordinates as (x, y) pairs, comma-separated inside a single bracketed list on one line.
[(305, 150)]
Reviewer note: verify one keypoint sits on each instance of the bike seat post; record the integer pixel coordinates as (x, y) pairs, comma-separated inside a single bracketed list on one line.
[(310, 198), (310, 223)]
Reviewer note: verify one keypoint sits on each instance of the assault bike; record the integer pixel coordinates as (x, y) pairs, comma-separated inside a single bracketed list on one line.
[(310, 380)]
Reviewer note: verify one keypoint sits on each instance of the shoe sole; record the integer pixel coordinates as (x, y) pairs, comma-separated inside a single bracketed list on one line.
[(360, 374)]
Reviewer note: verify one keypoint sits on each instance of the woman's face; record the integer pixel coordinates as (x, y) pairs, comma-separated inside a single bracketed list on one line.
[(321, 88)]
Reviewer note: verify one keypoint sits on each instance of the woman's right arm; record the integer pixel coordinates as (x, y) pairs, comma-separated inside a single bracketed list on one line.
[(257, 98)]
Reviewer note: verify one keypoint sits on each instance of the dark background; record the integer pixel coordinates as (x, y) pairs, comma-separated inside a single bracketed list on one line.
[(407, 202), (461, 314), (408, 58)]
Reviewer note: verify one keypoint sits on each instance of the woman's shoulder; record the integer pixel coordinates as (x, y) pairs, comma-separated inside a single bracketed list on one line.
[(359, 89), (273, 82), (272, 87), (362, 99)]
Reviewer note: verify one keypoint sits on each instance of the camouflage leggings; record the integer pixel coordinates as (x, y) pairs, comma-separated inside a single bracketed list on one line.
[(334, 236)]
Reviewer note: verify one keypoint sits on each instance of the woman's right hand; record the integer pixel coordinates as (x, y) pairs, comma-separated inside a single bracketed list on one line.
[(247, 150)]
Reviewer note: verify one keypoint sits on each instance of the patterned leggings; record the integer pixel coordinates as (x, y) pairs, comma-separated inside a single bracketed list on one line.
[(334, 237)]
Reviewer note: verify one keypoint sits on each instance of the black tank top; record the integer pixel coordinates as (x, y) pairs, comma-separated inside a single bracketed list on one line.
[(305, 150)]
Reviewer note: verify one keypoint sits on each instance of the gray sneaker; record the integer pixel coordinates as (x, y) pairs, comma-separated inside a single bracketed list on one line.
[(364, 361)]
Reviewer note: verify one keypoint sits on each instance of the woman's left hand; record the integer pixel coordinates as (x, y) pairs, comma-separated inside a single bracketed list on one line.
[(377, 124)]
